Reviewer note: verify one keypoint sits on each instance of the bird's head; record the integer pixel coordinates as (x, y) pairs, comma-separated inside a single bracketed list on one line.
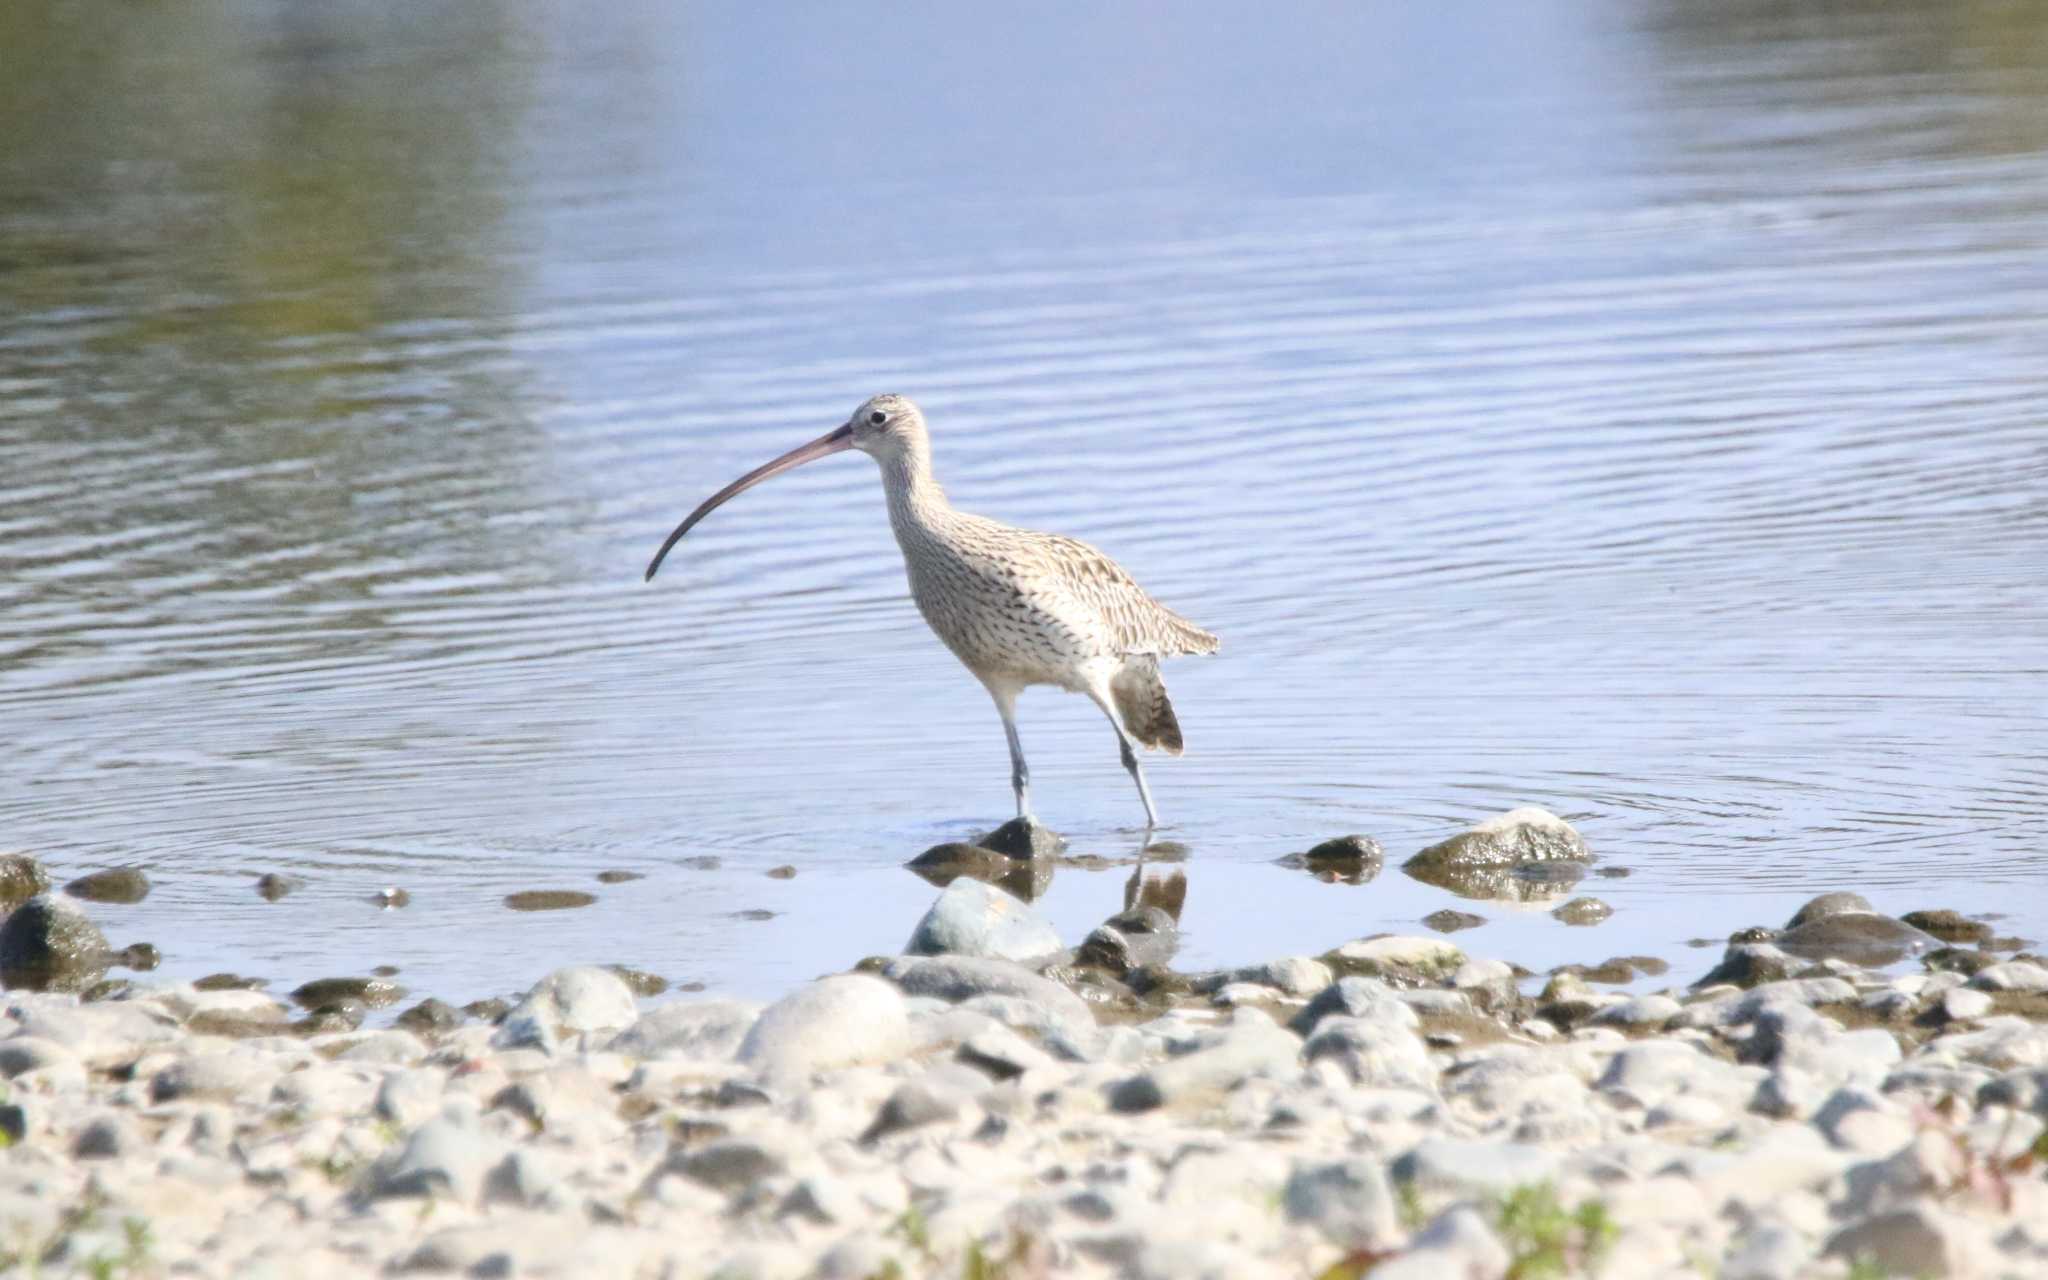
[(887, 428)]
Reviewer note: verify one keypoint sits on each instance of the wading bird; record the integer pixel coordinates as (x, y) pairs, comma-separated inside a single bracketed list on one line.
[(1017, 607)]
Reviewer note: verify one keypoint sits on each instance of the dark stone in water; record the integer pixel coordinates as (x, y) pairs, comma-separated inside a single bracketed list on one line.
[(271, 886), (1613, 873), (1957, 960), (230, 982), (50, 944), (1749, 964), (1449, 921), (1831, 904), (1141, 938), (1522, 882), (618, 877), (689, 986), (21, 878), (385, 971), (703, 862), (123, 886), (1350, 859), (490, 1009), (1583, 911), (942, 864), (639, 981), (1024, 838), (1949, 926), (430, 1016), (1866, 939), (106, 989), (338, 1015), (391, 898), (784, 872), (549, 899), (1507, 840), (1755, 933), (374, 992), (754, 913), (139, 956)]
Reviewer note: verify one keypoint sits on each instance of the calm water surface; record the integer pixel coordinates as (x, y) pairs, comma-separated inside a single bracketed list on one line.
[(1635, 409)]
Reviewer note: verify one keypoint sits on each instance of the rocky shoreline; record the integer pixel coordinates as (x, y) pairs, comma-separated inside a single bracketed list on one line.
[(993, 1103)]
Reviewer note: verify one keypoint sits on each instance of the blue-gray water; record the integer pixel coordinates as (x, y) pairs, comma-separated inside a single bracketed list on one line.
[(1631, 408)]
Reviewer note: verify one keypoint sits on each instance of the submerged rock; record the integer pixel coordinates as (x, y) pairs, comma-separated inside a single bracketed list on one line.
[(1024, 838), (618, 877), (639, 981), (1351, 859), (271, 886), (1522, 882), (549, 899), (374, 993), (1449, 921), (942, 864), (1949, 926), (21, 878), (49, 944), (1844, 926), (122, 885), (972, 918), (1583, 911)]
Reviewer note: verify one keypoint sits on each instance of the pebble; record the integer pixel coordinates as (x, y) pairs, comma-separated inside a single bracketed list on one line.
[(832, 1022)]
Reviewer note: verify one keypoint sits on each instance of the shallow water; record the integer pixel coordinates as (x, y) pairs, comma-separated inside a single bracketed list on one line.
[(1634, 409)]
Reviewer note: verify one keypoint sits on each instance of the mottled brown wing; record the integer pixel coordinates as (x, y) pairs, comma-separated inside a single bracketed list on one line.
[(1134, 621)]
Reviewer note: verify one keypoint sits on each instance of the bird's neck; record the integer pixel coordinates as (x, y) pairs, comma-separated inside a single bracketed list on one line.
[(916, 502)]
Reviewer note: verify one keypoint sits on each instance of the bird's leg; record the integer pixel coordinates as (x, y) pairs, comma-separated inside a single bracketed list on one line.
[(1130, 754), (1020, 773)]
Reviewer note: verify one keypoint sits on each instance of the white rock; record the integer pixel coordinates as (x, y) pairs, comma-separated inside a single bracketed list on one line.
[(973, 918), (833, 1022), (706, 1030)]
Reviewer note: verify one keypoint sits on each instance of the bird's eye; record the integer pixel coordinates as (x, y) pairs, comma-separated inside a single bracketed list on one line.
[(877, 418)]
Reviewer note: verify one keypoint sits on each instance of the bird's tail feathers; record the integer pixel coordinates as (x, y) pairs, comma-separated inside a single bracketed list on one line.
[(1141, 701)]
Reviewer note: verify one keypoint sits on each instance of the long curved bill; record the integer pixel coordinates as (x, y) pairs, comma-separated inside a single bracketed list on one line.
[(837, 440)]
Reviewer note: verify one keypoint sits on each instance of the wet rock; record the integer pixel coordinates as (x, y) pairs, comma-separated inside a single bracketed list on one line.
[(783, 872), (1957, 960), (1449, 921), (122, 885), (375, 993), (139, 956), (430, 1017), (391, 898), (972, 918), (1350, 859), (1839, 903), (1141, 938), (833, 1022), (1026, 878), (229, 982), (1749, 964), (1869, 940), (707, 1030), (549, 899), (619, 877), (491, 1009), (1528, 834), (21, 878), (1949, 926), (1024, 838), (640, 982), (49, 944), (271, 886), (1582, 911)]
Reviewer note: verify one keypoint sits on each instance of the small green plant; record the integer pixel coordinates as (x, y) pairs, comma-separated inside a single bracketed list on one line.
[(1408, 1204), (1545, 1239)]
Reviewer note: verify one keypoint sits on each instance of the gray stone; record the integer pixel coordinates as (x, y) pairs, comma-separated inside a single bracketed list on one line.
[(2011, 975), (1134, 939), (1448, 921), (444, 1158), (227, 1076), (1366, 998), (1861, 938), (1001, 1054), (1749, 964), (914, 1104), (732, 1164), (1294, 975), (1375, 1052), (23, 1054), (580, 1000), (1643, 1013), (1352, 859), (1961, 1004), (971, 918), (1456, 1243), (958, 978), (107, 1137), (409, 1096), (1480, 1169), (1251, 1046), (375, 993), (1920, 1240), (1840, 903), (1771, 1251), (525, 1177), (833, 1022), (1349, 1201), (710, 1030), (49, 944)]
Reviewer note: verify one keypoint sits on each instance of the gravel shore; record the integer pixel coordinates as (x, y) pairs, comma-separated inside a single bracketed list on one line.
[(1393, 1108)]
